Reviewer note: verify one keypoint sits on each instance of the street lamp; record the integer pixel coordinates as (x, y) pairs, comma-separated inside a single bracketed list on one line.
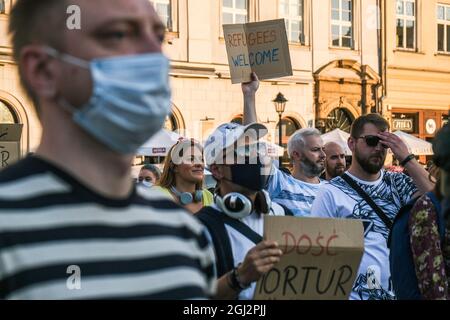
[(280, 105)]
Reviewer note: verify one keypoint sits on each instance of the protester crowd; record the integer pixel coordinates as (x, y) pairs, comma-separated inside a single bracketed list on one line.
[(73, 203)]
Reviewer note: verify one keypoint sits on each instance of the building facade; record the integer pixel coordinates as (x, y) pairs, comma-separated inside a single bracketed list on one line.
[(15, 107), (345, 61), (333, 63), (346, 57), (416, 65)]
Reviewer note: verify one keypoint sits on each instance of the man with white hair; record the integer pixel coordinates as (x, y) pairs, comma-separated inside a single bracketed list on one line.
[(305, 148)]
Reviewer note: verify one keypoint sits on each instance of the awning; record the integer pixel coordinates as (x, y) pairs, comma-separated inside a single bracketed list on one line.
[(340, 137), (159, 144), (415, 145)]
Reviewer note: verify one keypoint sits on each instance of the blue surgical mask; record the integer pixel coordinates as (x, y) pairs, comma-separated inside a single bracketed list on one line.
[(130, 99), (146, 184)]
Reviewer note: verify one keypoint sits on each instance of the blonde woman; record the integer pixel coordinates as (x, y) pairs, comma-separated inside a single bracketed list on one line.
[(183, 175)]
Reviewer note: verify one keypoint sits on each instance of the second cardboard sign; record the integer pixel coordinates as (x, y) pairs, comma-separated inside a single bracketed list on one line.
[(320, 262)]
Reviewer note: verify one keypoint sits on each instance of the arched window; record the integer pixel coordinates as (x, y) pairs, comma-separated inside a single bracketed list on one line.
[(2, 7), (171, 123), (288, 127), (339, 118), (7, 114), (174, 120)]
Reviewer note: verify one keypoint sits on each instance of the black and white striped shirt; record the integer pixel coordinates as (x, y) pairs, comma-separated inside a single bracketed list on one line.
[(60, 240)]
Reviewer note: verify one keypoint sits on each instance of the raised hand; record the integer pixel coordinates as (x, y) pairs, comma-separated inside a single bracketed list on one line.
[(392, 141), (252, 86)]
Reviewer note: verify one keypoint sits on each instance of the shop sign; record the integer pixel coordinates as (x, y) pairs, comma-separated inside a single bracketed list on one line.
[(430, 126), (406, 125), (159, 150)]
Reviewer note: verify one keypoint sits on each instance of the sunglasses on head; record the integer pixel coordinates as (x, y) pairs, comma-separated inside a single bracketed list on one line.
[(372, 141)]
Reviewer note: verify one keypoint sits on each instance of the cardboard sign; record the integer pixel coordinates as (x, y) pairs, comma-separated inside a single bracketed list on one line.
[(321, 258), (9, 143), (9, 153), (10, 132), (260, 47)]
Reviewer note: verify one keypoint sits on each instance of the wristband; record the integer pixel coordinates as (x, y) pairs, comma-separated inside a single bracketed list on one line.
[(232, 282), (407, 159), (236, 283)]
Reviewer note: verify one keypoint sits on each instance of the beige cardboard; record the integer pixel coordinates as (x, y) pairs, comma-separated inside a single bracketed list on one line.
[(261, 47), (320, 261), (10, 132), (9, 153), (9, 143)]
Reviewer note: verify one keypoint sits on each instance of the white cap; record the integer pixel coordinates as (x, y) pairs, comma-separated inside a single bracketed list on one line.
[(226, 135)]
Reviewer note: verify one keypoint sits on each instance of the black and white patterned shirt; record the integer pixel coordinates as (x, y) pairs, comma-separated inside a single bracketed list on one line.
[(60, 240), (390, 192)]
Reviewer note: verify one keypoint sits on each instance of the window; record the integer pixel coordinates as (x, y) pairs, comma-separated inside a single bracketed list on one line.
[(443, 25), (288, 128), (339, 118), (5, 6), (171, 123), (234, 11), (163, 8), (6, 114), (406, 24), (292, 12), (342, 23)]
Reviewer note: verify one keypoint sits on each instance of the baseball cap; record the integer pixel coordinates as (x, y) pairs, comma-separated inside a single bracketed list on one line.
[(226, 135)]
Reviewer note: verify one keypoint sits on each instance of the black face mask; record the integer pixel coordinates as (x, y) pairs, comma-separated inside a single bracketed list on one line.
[(249, 176)]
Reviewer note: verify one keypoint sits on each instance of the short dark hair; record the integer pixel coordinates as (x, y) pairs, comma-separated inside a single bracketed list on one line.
[(35, 22), (373, 118), (441, 148)]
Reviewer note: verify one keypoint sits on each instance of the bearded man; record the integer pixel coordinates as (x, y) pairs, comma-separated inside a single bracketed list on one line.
[(298, 190), (343, 197)]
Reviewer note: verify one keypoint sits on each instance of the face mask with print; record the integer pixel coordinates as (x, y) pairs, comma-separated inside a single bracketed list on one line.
[(130, 99)]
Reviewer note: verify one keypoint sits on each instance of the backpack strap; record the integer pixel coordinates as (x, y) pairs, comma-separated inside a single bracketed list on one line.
[(403, 210), (215, 221), (352, 183), (287, 211), (242, 228), (439, 213), (211, 218)]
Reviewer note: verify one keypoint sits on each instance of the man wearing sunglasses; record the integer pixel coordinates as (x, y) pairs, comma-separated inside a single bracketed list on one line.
[(369, 193)]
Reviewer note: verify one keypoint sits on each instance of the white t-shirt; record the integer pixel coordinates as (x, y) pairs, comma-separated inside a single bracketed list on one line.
[(240, 244), (390, 192), (294, 194)]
